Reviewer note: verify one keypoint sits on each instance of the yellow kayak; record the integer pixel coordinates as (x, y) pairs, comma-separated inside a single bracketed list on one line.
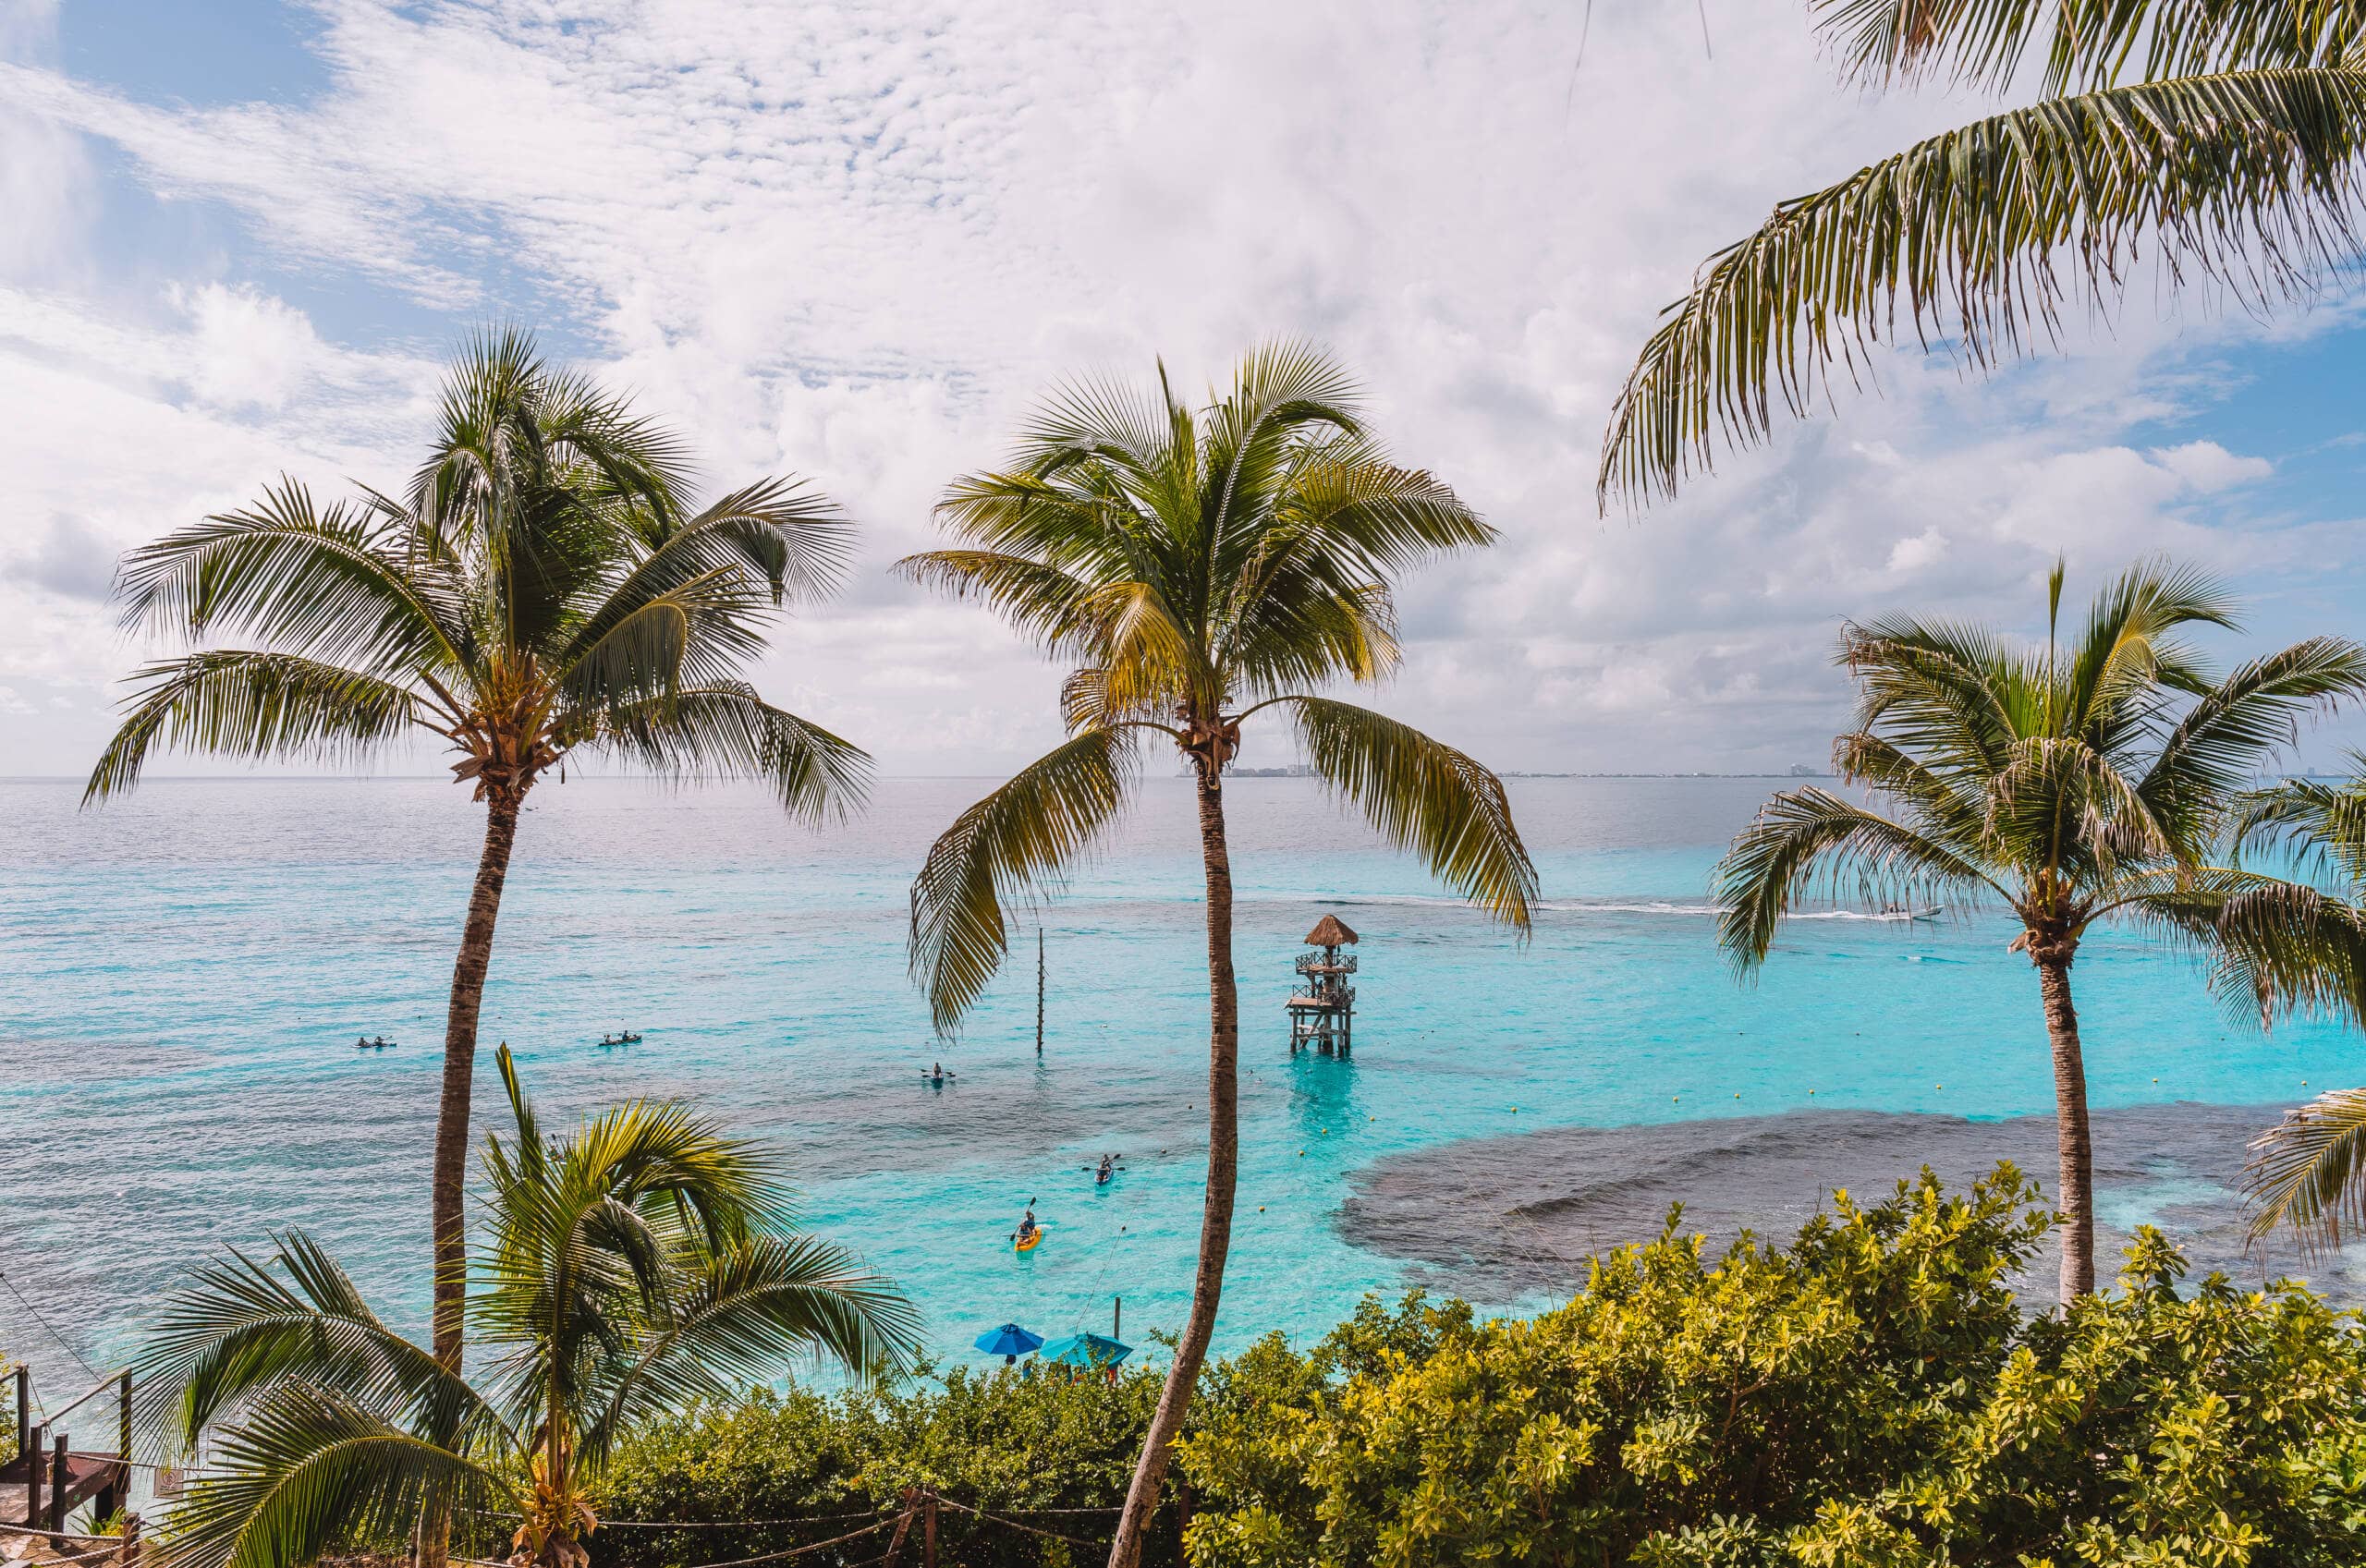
[(1027, 1243)]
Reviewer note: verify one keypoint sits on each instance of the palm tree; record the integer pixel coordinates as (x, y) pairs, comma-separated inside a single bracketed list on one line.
[(2307, 1172), (642, 1260), (2076, 783), (543, 592), (1198, 568), (2224, 133)]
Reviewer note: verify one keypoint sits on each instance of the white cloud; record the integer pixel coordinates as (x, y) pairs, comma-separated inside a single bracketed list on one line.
[(855, 243)]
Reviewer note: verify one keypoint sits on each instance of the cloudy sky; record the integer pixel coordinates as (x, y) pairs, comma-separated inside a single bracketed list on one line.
[(855, 242)]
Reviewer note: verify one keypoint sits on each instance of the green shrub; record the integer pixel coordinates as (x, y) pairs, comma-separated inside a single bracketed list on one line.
[(1005, 1445), (1870, 1397)]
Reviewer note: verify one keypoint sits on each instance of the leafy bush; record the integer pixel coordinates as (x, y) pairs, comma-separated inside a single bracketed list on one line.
[(1870, 1397), (1005, 1445)]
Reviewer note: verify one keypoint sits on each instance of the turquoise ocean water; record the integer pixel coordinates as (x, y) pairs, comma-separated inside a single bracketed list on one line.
[(185, 974)]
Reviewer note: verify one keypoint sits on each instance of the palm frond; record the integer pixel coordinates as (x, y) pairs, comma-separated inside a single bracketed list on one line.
[(308, 1471), (1984, 43), (1423, 795), (2247, 180), (1044, 603), (746, 1310), (1807, 840), (244, 1328), (259, 706), (2274, 947), (1015, 844), (2321, 823), (2219, 743), (724, 730), (2307, 1173), (334, 585)]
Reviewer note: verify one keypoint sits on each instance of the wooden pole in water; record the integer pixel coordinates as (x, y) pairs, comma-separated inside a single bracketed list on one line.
[(1117, 1320), (1039, 991)]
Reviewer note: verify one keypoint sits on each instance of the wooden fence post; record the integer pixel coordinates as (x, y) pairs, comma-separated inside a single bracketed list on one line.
[(902, 1524), (30, 1451), (928, 1533), (61, 1477)]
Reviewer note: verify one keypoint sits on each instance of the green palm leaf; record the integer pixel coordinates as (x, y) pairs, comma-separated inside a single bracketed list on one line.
[(1984, 42), (2307, 1172), (340, 586), (742, 1313), (258, 706), (308, 1471), (1013, 844), (2246, 179), (1808, 842), (239, 1332), (727, 731), (1423, 796)]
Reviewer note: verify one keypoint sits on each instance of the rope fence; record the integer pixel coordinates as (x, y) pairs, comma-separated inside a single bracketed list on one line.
[(918, 1504), (917, 1507)]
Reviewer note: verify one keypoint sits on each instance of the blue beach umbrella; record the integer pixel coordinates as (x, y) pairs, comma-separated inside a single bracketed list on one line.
[(1087, 1350), (1010, 1342)]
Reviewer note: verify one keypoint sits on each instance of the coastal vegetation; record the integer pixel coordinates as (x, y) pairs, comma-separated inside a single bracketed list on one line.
[(1198, 568), (2097, 779), (1049, 1451), (639, 1262), (2226, 136), (1869, 1394), (547, 590)]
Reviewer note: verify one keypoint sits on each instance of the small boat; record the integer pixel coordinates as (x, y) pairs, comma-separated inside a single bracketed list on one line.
[(1028, 1242), (380, 1043)]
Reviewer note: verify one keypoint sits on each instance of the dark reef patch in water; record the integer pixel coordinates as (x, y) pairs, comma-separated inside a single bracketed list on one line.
[(1514, 1218)]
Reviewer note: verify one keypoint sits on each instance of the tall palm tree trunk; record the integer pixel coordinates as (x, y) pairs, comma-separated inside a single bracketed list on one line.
[(2073, 1141), (450, 1176), (1224, 1169)]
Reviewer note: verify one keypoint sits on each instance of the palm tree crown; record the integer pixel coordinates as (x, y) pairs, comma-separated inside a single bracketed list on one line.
[(544, 589), (2086, 781), (2226, 134), (1196, 569), (639, 1261)]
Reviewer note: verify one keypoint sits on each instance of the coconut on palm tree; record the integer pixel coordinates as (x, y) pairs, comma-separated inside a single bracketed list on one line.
[(1199, 569), (2223, 135), (2088, 780), (545, 589), (640, 1261)]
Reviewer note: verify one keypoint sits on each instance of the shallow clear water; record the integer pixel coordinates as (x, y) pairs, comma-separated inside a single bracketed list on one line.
[(183, 975)]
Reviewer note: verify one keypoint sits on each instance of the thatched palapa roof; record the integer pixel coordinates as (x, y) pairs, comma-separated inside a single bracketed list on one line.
[(1332, 932)]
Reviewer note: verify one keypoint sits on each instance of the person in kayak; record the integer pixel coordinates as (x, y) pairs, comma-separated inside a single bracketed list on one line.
[(1108, 1169), (1027, 1225)]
